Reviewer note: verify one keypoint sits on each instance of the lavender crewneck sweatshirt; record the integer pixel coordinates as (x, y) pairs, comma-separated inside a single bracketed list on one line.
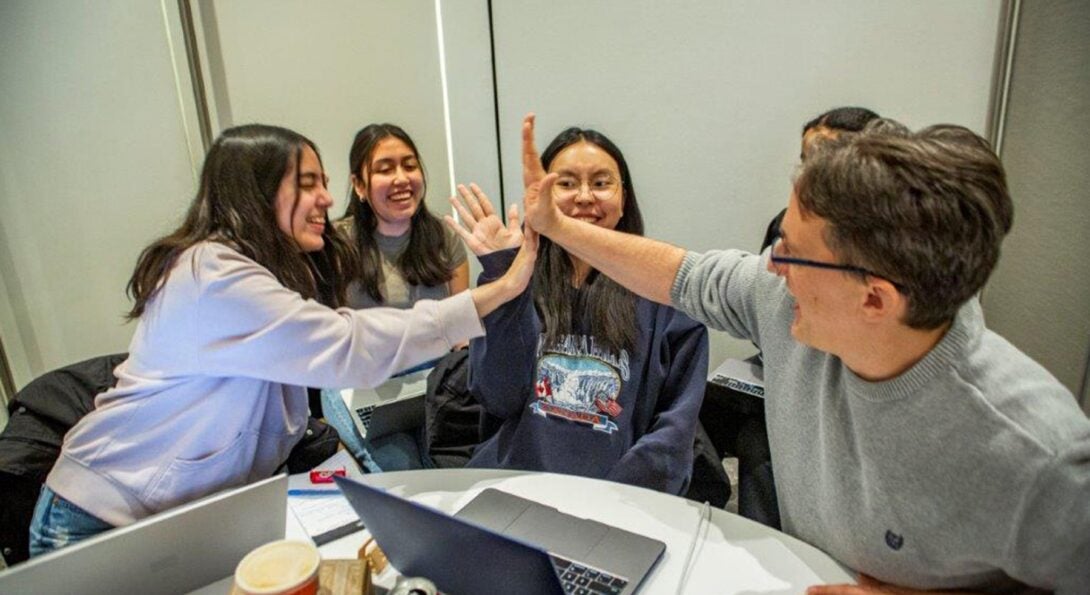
[(212, 395)]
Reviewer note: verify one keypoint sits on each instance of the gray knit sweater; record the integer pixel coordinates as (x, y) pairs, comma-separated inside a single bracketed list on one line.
[(970, 470)]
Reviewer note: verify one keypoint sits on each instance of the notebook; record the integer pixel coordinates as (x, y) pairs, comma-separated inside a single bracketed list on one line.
[(396, 405), (172, 552), (500, 543)]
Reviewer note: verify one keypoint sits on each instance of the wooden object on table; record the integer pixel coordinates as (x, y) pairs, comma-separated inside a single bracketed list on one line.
[(374, 556), (340, 577)]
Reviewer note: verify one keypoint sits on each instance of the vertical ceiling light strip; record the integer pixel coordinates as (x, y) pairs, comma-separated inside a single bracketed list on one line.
[(446, 98), (1001, 85), (193, 166), (192, 54), (1001, 81)]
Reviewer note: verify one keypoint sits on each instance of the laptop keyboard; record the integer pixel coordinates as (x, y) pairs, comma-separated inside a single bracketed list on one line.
[(581, 579), (364, 413)]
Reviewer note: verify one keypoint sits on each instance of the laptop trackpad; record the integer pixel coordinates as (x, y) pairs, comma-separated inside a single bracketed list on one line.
[(557, 532)]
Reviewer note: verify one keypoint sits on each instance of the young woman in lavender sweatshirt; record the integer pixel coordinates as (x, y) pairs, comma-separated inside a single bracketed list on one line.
[(229, 332)]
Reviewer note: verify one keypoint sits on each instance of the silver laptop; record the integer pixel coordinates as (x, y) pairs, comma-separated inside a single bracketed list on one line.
[(396, 405), (500, 544), (592, 555), (172, 552)]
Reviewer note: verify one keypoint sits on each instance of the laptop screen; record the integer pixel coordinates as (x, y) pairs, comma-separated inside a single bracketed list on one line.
[(458, 556)]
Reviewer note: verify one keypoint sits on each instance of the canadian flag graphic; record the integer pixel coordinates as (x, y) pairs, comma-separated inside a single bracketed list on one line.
[(544, 388)]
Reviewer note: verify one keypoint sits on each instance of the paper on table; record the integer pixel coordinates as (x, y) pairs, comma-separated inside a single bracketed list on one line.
[(323, 511)]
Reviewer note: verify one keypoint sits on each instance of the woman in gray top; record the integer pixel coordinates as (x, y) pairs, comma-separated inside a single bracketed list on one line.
[(407, 254)]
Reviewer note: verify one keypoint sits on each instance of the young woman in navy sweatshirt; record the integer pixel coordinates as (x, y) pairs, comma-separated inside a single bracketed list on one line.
[(584, 377)]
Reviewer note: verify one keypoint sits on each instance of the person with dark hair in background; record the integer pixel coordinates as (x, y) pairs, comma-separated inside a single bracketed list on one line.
[(406, 255), (909, 441), (756, 483), (585, 377), (828, 126), (229, 332)]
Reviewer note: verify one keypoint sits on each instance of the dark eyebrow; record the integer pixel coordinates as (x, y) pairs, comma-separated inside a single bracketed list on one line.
[(391, 160), (597, 172), (311, 177), (783, 239)]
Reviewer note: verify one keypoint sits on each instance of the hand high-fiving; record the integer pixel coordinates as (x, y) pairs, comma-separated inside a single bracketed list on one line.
[(481, 228), (541, 211), (484, 233)]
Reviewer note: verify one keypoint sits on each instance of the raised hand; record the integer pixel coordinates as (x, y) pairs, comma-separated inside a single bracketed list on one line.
[(489, 296), (532, 171), (541, 211), (481, 228)]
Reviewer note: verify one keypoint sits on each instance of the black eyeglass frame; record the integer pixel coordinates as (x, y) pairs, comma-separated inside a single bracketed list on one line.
[(805, 262), (562, 194)]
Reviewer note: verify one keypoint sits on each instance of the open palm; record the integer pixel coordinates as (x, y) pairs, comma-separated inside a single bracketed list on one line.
[(480, 227)]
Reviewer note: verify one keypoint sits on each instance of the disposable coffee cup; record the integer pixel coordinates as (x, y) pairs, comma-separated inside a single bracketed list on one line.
[(285, 567)]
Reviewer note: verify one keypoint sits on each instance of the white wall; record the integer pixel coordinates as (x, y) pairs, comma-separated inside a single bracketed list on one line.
[(707, 99), (94, 165), (469, 72), (468, 59), (328, 69)]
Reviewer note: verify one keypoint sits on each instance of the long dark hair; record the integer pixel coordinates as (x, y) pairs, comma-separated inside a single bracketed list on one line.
[(236, 204), (611, 307), (422, 261)]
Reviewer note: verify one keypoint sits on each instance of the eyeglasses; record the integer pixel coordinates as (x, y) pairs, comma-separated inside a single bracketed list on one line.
[(601, 187), (778, 259)]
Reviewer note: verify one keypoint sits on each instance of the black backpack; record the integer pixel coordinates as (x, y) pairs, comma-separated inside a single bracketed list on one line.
[(454, 422)]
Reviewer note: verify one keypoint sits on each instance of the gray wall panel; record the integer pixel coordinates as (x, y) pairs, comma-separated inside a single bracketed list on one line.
[(1039, 296)]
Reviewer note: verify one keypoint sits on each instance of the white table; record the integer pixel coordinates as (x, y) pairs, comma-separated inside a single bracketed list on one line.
[(735, 555)]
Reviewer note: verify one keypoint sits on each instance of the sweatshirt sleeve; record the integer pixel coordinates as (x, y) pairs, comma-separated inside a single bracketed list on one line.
[(662, 459), (1051, 545), (245, 323), (719, 289), (502, 362)]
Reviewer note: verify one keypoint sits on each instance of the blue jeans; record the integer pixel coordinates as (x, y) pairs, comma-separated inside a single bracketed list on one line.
[(57, 523), (397, 452)]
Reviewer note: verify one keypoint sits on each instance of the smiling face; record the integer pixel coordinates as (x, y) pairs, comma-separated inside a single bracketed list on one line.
[(301, 210), (393, 183), (828, 303), (589, 187)]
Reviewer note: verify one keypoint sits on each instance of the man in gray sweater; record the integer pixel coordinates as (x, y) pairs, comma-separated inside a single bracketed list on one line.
[(909, 442)]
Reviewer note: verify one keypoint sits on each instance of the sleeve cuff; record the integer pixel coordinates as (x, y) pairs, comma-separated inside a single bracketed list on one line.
[(677, 290), (458, 316), (495, 264)]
